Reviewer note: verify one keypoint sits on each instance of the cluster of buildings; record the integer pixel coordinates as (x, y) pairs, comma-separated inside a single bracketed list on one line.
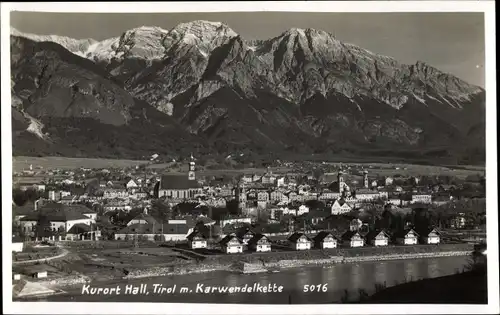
[(247, 240), (275, 194)]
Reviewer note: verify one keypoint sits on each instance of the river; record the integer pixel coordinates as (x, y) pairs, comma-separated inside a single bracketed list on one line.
[(338, 278)]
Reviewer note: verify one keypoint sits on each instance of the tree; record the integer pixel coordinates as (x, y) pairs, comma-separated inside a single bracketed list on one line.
[(233, 207), (43, 227), (20, 197), (317, 173)]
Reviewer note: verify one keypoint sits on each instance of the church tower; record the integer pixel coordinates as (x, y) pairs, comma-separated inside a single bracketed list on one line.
[(340, 179), (191, 174), (365, 179)]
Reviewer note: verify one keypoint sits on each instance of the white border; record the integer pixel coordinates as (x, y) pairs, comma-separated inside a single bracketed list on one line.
[(488, 7)]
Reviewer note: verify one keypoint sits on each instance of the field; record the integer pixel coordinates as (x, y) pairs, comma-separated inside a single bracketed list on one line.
[(20, 163), (382, 169), (419, 170)]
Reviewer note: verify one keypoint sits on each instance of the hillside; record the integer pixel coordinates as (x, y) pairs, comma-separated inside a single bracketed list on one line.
[(210, 90)]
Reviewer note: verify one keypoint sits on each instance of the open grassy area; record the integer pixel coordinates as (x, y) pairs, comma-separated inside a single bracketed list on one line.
[(383, 169), (31, 253), (20, 163)]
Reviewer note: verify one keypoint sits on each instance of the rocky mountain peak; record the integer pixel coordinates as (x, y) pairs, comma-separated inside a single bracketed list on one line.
[(202, 30)]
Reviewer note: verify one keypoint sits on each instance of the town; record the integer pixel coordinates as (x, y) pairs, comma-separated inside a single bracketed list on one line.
[(246, 212)]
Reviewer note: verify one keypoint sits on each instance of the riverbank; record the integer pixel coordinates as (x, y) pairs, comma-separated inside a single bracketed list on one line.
[(339, 278), (270, 262)]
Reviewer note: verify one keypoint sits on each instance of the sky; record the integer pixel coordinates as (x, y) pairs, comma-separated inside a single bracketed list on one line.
[(453, 42)]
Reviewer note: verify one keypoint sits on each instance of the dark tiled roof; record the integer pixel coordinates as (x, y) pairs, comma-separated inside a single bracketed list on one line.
[(177, 182), (79, 228), (59, 212), (256, 238), (228, 238), (146, 217), (425, 232), (295, 236), (54, 206), (349, 234), (196, 235), (374, 233), (321, 236)]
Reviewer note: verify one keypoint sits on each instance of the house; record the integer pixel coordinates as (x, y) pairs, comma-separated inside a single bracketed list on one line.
[(112, 193), (197, 240), (325, 240), (314, 217), (171, 231), (354, 238), (256, 178), (235, 220), (245, 235), (406, 237), (459, 221), (131, 184), (377, 238), (430, 236), (302, 209), (389, 181), (340, 206), (263, 196), (60, 217), (231, 244), (441, 199), (328, 195), (421, 198), (259, 243), (54, 195), (143, 218), (280, 182), (17, 245), (299, 241), (366, 194), (268, 179), (277, 196), (19, 212)]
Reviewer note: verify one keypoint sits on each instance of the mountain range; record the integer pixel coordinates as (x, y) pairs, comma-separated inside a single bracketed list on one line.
[(200, 87)]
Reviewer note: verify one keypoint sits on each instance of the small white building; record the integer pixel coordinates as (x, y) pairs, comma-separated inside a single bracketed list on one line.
[(131, 184), (197, 240), (324, 240), (302, 209), (340, 207), (378, 238), (431, 237), (17, 246), (408, 237), (354, 239), (299, 241), (260, 243), (421, 198), (231, 244)]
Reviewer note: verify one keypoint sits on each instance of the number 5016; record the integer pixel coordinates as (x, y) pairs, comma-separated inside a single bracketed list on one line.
[(316, 287)]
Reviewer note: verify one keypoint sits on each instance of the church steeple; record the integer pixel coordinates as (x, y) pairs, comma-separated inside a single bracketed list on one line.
[(340, 179), (191, 173), (365, 179)]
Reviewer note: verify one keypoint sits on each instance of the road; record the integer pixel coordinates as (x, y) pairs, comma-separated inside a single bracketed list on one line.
[(61, 255)]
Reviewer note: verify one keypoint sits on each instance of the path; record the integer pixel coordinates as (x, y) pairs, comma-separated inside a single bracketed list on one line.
[(62, 254)]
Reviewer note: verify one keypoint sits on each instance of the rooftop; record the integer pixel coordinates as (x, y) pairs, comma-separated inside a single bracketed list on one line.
[(177, 182)]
